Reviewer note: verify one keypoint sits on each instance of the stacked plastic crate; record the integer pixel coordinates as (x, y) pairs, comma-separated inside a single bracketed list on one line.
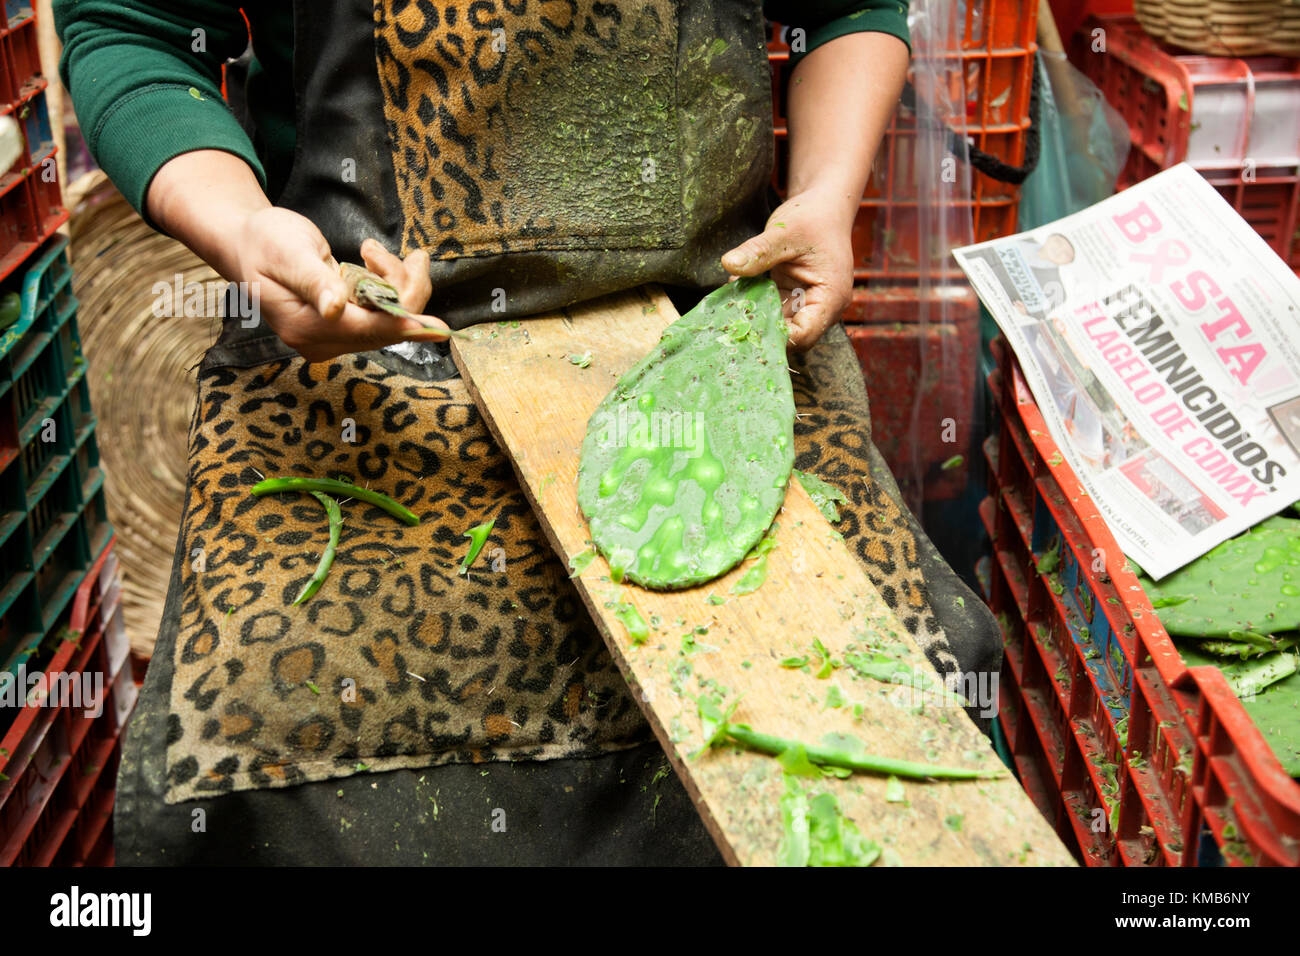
[(902, 268), (1136, 758), (1237, 121), (66, 685)]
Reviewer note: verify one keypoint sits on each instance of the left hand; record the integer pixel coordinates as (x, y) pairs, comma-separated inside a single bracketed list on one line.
[(807, 246)]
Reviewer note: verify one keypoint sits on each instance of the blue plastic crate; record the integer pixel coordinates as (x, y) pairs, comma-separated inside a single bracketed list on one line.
[(17, 10), (53, 516), (34, 116)]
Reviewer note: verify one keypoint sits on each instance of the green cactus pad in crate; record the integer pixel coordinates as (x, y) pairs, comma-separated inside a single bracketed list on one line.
[(686, 460), (1248, 585)]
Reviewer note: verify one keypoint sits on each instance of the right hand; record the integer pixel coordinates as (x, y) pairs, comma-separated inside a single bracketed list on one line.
[(285, 258)]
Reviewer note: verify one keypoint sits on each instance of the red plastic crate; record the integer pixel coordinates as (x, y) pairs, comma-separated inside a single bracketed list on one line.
[(30, 206), (903, 361), (31, 112), (1098, 707), (20, 60), (60, 761), (1237, 121), (47, 197), (21, 53), (992, 59)]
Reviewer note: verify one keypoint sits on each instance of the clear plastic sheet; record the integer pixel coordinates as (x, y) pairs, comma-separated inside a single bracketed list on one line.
[(944, 216)]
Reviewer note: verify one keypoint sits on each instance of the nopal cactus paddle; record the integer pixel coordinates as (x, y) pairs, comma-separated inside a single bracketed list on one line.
[(1250, 584), (686, 460)]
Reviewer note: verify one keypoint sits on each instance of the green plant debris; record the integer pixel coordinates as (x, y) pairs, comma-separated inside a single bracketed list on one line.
[(795, 761), (817, 833), (954, 821), (827, 665), (716, 600), (717, 730), (581, 561), (794, 663), (834, 696), (894, 792), (1051, 558), (632, 622), (194, 92), (313, 688), (677, 731), (1249, 646), (753, 578), (1248, 677), (954, 462), (327, 558), (11, 309), (714, 722), (477, 535), (889, 670), (679, 673), (686, 460), (270, 486), (823, 494)]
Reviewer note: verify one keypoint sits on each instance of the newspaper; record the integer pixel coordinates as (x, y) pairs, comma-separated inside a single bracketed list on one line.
[(1160, 337)]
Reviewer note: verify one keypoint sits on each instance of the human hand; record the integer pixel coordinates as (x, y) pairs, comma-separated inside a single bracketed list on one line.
[(807, 247), (304, 299)]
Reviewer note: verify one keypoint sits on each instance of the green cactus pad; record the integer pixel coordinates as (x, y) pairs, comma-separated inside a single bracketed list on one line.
[(686, 460), (1250, 583)]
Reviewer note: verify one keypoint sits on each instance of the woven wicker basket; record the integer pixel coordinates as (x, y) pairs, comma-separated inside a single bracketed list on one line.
[(1224, 27), (141, 384)]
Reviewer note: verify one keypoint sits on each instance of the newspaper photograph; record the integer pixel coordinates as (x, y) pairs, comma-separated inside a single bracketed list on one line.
[(1159, 335)]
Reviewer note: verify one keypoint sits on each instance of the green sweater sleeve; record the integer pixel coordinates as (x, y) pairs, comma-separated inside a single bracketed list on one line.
[(825, 20), (146, 81)]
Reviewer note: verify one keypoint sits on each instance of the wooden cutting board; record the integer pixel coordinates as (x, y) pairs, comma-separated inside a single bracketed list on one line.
[(537, 403)]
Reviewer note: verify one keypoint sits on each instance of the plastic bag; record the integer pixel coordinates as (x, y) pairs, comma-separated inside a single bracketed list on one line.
[(1084, 142)]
